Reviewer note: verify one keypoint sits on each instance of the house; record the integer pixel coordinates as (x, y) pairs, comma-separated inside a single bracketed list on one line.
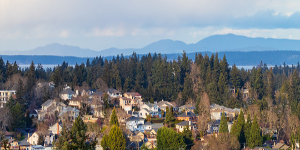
[(114, 93), (217, 110), (55, 129), (5, 96), (187, 107), (76, 101), (188, 116), (133, 113), (152, 109), (23, 145), (49, 108), (33, 113), (136, 98), (97, 104), (151, 136), (33, 139), (135, 124), (67, 94), (151, 144), (181, 125), (69, 112), (213, 126), (48, 139), (280, 146), (36, 147), (138, 136), (148, 126), (164, 104), (126, 104)]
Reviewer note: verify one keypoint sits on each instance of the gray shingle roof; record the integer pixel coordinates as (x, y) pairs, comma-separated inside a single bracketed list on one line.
[(67, 91), (184, 123), (48, 102), (132, 118)]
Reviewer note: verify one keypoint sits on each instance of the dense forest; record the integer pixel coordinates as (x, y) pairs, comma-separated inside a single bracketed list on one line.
[(272, 91)]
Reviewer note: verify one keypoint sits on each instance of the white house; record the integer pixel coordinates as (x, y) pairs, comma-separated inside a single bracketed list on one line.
[(5, 96), (55, 129), (135, 124), (114, 93), (67, 94), (152, 109)]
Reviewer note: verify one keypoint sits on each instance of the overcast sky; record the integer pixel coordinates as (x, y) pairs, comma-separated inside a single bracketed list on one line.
[(27, 24)]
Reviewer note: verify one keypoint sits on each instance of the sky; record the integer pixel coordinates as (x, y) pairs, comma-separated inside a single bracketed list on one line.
[(101, 24)]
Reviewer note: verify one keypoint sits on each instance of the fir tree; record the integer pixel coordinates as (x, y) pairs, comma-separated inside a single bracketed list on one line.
[(114, 118), (78, 134), (247, 129), (114, 140), (169, 139), (223, 124), (255, 138), (238, 131), (188, 136)]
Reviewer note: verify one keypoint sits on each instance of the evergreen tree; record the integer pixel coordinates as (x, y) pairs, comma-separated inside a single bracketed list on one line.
[(169, 139), (114, 140), (238, 131), (187, 136), (255, 138), (18, 116), (63, 142), (235, 77), (258, 83), (78, 134), (223, 124), (114, 118), (247, 129)]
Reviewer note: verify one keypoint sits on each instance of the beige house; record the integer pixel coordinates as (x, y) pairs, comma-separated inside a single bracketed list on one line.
[(5, 96), (49, 108), (33, 139)]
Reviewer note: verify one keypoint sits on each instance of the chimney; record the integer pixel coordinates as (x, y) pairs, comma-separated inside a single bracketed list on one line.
[(190, 123), (152, 143), (57, 128), (28, 135), (77, 92), (185, 112)]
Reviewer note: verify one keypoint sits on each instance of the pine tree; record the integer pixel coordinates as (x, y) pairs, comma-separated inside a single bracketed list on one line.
[(64, 139), (169, 139), (188, 136), (114, 140), (78, 134), (258, 83), (18, 116), (255, 138), (114, 118), (235, 77), (238, 132), (223, 124), (247, 129)]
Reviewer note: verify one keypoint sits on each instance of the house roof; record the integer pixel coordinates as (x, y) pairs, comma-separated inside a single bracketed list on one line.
[(132, 118), (188, 106), (23, 143), (111, 90), (188, 114), (184, 123), (67, 91), (68, 109), (48, 102), (148, 123), (150, 105), (98, 93), (216, 107), (133, 94)]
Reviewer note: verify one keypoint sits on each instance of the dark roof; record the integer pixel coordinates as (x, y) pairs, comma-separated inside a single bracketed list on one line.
[(132, 118), (98, 93), (188, 114), (67, 91), (23, 143), (184, 123)]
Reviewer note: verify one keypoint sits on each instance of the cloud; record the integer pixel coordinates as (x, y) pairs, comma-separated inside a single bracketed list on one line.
[(64, 34), (111, 32)]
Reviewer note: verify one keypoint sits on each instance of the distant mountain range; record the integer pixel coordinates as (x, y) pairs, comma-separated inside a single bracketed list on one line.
[(248, 59), (215, 43)]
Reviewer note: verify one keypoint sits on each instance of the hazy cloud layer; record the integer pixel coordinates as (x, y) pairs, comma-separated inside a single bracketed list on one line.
[(135, 23)]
